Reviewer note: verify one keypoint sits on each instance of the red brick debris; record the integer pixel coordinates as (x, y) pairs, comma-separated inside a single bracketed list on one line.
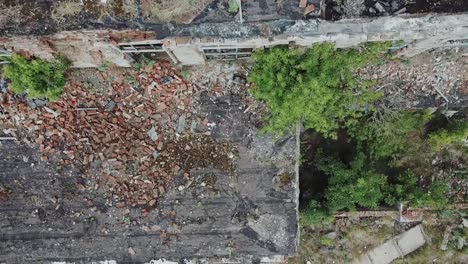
[(129, 132)]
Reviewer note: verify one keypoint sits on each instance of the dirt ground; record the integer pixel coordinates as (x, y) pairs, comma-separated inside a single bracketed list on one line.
[(347, 239)]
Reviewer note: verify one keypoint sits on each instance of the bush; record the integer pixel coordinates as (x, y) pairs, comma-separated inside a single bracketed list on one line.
[(353, 185), (386, 133), (408, 189), (314, 213), (317, 87), (326, 241), (37, 77), (233, 6), (456, 134)]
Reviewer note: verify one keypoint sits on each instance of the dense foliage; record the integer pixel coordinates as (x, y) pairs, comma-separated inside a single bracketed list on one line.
[(388, 133), (37, 78), (317, 86), (455, 134), (392, 162), (351, 185), (393, 152)]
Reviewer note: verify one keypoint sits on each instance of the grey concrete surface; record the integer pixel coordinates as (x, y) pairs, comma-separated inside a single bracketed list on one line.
[(247, 215)]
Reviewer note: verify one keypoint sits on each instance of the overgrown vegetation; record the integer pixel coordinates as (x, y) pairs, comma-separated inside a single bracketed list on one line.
[(393, 160), (233, 6), (317, 87), (37, 78), (393, 156)]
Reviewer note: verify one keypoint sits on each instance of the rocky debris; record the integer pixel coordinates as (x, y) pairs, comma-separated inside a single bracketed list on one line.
[(446, 237), (128, 133), (34, 103), (3, 85), (4, 193), (302, 3), (359, 8), (428, 80), (153, 134), (309, 7)]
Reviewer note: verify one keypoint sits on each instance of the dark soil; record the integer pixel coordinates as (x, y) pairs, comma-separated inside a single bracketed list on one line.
[(312, 181), (333, 12), (438, 6)]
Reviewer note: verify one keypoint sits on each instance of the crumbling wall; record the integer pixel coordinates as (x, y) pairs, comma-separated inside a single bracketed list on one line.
[(397, 247), (186, 44), (86, 49)]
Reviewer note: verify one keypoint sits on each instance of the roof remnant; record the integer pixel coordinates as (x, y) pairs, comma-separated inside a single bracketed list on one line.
[(224, 197), (398, 246)]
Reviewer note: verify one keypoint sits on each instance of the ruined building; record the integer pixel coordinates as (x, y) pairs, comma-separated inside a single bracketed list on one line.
[(250, 218)]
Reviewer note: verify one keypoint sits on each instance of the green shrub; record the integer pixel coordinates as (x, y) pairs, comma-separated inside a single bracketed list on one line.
[(314, 214), (456, 134), (408, 189), (388, 133), (353, 185), (233, 6), (36, 77), (317, 87), (326, 241)]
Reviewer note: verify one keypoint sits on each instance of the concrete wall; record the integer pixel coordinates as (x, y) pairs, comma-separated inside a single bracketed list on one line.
[(92, 48), (421, 33)]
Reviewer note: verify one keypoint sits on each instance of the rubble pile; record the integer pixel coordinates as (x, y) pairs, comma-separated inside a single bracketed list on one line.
[(133, 133), (386, 7), (413, 83), (338, 9)]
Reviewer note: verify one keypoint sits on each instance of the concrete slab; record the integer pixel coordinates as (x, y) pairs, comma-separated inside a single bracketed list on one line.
[(249, 214)]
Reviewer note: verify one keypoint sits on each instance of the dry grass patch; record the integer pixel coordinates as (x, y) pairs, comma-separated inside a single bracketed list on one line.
[(113, 8), (66, 8), (179, 11), (10, 14), (123, 8)]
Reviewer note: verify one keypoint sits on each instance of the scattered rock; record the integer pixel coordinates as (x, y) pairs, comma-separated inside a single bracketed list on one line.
[(309, 9), (131, 251), (401, 11), (331, 235), (80, 187), (153, 134), (109, 106), (181, 124), (3, 85), (166, 79), (302, 3), (379, 7), (461, 243), (34, 103)]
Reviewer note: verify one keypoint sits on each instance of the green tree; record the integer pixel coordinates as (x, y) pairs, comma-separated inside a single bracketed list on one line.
[(36, 77), (317, 87), (353, 185)]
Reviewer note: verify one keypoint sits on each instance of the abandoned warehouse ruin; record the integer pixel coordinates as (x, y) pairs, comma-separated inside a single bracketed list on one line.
[(174, 168)]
